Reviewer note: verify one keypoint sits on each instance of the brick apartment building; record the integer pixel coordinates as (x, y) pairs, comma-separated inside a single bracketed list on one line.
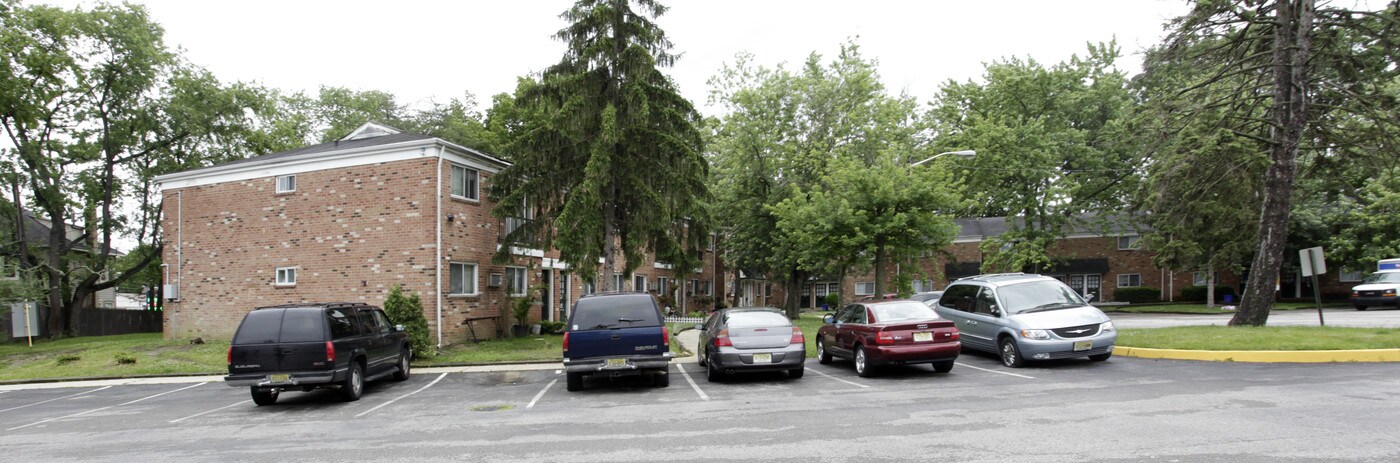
[(348, 220)]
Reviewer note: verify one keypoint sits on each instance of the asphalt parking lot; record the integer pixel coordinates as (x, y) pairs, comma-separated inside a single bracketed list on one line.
[(1124, 409)]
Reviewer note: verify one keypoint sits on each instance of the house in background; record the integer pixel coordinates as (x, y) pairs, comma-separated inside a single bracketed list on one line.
[(349, 219)]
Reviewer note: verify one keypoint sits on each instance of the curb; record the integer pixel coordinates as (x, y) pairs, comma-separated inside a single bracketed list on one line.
[(1263, 356)]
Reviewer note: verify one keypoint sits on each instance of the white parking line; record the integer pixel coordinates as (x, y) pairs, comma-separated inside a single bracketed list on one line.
[(396, 399), (107, 407), (210, 411), (541, 394), (703, 396), (56, 398), (994, 371), (835, 378)]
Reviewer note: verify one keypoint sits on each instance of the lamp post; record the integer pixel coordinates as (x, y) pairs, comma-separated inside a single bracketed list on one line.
[(963, 154)]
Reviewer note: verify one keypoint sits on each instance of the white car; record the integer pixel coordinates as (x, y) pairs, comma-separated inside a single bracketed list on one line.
[(1377, 289)]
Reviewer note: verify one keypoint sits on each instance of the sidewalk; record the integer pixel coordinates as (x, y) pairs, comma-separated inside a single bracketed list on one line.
[(688, 339)]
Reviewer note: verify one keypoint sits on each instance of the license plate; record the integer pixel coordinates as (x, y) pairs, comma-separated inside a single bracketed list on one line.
[(278, 378), (1083, 345), (762, 358), (617, 363), (922, 337)]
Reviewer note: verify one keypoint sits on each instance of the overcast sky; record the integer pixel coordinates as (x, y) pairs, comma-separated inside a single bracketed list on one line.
[(424, 50)]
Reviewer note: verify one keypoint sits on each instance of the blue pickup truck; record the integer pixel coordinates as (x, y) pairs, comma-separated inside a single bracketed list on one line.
[(617, 334)]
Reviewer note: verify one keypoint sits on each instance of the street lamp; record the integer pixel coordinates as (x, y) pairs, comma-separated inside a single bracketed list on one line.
[(963, 153)]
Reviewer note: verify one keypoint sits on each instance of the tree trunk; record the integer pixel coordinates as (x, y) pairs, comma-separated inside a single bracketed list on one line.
[(1210, 287), (609, 243), (879, 269), (1291, 49)]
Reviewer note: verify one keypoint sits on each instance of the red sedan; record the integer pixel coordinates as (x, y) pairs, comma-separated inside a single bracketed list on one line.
[(888, 332)]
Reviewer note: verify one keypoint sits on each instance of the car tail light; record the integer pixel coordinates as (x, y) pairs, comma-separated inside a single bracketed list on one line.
[(230, 355), (566, 341), (797, 337), (885, 337), (330, 351), (954, 335), (665, 337), (722, 338)]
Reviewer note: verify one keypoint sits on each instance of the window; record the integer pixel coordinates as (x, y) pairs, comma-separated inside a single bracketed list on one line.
[(865, 289), (368, 323), (821, 291), (515, 281), (619, 282), (709, 288), (341, 325), (463, 279), (1128, 280), (768, 290), (1128, 243), (661, 285), (286, 183), (286, 276), (1347, 275), (639, 283), (923, 286), (589, 287), (986, 301), (960, 297), (383, 321), (694, 287), (465, 182), (1198, 279)]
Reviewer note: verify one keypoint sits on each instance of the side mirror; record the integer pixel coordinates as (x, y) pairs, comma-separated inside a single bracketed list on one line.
[(700, 326), (829, 319), (995, 311), (398, 328)]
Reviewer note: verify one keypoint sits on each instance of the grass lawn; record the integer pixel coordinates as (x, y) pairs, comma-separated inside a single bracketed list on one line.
[(98, 356), (1261, 338), (1201, 308), (810, 322), (521, 349)]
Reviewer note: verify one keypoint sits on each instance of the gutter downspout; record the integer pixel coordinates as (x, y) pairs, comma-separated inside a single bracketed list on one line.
[(437, 272), (179, 259)]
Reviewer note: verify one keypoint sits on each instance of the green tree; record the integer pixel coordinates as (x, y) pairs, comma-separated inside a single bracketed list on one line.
[(609, 158), (1051, 147), (93, 105), (1297, 79), (407, 310)]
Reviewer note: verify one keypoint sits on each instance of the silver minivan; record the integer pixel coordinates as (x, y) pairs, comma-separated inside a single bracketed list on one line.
[(1026, 317)]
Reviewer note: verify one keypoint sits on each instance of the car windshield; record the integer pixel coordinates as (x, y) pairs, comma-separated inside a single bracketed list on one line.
[(627, 311), (756, 319), (902, 311), (1037, 295), (1387, 277)]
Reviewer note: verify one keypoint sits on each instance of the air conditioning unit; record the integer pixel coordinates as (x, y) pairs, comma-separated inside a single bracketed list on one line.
[(495, 280)]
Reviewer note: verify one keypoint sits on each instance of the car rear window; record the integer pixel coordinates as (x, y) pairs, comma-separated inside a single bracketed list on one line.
[(281, 325), (901, 311), (615, 312), (756, 319)]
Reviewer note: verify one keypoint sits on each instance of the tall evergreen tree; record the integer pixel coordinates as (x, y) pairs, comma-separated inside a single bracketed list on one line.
[(610, 159)]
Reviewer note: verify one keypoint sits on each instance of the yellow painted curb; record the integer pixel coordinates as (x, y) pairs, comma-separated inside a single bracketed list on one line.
[(1263, 356)]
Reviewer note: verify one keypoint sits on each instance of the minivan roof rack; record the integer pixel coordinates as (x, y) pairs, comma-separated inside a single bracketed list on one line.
[(989, 275)]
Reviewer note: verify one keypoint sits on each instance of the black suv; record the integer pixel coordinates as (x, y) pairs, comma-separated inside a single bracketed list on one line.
[(617, 334), (309, 346)]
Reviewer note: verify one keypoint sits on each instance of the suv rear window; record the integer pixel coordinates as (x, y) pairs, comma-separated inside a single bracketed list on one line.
[(615, 312), (281, 325)]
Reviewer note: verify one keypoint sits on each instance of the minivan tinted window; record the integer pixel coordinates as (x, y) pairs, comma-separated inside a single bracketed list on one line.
[(615, 312), (260, 327)]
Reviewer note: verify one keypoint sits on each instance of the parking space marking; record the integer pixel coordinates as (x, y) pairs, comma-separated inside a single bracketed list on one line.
[(703, 396), (541, 394), (107, 407), (396, 399), (838, 379), (55, 398), (210, 411), (994, 371)]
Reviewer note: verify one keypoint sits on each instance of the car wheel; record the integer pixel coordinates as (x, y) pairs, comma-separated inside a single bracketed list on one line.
[(823, 357), (863, 366), (1360, 307), (796, 373), (661, 379), (574, 381), (1011, 353), (354, 384), (943, 367), (1101, 357), (264, 396), (712, 373), (404, 357)]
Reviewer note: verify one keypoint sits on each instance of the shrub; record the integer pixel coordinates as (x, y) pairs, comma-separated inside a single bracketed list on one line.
[(1137, 294), (407, 310), (549, 327), (833, 300), (68, 358), (1198, 293), (124, 358)]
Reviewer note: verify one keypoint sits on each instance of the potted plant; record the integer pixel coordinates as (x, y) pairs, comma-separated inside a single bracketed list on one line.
[(520, 311)]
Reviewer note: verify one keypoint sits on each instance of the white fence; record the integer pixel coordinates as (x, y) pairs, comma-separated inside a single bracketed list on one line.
[(684, 320)]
